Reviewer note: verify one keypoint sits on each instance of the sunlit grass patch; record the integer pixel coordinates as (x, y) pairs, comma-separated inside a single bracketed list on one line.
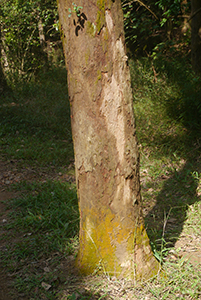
[(192, 225), (48, 208), (180, 279)]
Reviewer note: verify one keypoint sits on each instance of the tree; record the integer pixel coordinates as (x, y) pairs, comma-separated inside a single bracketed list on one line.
[(196, 35), (112, 232), (3, 83)]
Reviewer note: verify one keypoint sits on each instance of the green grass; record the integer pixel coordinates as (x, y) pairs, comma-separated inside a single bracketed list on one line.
[(35, 121), (49, 208), (44, 222), (43, 229), (169, 139), (181, 280)]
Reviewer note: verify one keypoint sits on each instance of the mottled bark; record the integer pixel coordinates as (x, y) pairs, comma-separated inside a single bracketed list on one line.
[(112, 233), (196, 35)]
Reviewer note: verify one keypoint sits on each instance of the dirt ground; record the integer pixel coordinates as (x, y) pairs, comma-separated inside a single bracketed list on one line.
[(188, 246)]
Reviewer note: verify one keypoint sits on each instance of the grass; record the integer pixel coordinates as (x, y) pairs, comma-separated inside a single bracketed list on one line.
[(42, 232), (44, 223), (35, 121), (49, 209)]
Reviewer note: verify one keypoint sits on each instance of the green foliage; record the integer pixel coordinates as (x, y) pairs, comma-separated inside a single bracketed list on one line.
[(170, 10), (76, 9), (139, 24), (148, 23), (19, 21)]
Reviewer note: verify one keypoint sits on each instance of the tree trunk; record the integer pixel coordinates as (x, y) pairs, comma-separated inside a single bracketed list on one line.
[(41, 34), (3, 83), (113, 238), (44, 51), (196, 35), (185, 26)]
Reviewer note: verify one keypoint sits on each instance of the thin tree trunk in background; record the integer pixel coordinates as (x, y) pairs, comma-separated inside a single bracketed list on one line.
[(196, 35), (41, 34), (185, 27), (3, 83), (112, 232), (44, 48)]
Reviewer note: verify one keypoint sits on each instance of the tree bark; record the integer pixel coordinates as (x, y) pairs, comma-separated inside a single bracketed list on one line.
[(196, 35), (3, 83), (41, 33), (113, 238), (185, 26)]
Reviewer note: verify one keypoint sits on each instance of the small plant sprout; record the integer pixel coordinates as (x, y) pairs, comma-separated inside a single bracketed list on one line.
[(76, 9)]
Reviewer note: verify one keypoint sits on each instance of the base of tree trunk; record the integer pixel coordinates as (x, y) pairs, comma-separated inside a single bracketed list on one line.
[(115, 248)]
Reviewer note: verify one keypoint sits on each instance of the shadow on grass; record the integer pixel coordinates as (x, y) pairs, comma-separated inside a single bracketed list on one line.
[(166, 219), (185, 105)]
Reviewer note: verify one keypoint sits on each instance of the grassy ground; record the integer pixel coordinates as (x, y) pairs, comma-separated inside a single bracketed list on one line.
[(39, 226)]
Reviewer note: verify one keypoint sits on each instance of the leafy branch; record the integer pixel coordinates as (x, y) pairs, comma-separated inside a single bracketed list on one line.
[(76, 9), (141, 3)]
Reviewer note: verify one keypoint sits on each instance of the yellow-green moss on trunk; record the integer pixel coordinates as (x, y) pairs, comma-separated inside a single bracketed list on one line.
[(91, 28), (100, 20), (109, 246)]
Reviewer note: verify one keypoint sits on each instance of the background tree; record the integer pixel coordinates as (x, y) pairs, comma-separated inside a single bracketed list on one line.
[(3, 84), (196, 35), (112, 233), (23, 26)]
